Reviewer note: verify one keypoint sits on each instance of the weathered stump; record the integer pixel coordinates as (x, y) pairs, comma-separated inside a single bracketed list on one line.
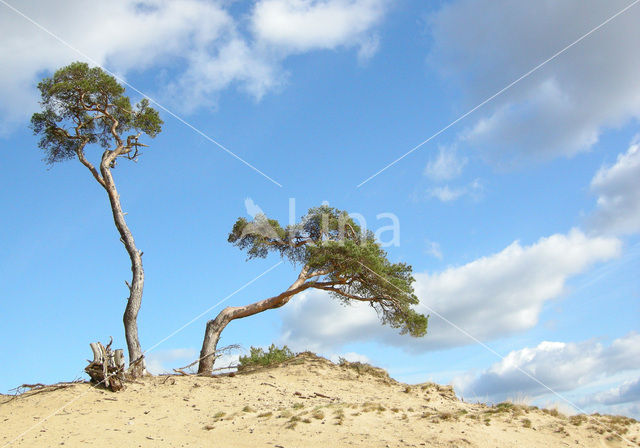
[(107, 367)]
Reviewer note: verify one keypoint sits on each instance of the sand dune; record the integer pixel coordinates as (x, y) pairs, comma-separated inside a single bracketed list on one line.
[(304, 402)]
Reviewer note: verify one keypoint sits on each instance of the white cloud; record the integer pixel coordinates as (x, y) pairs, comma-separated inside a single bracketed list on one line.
[(627, 392), (507, 289), (303, 25), (448, 194), (200, 44), (618, 194), (560, 366), (122, 34), (447, 165), (164, 361), (560, 110)]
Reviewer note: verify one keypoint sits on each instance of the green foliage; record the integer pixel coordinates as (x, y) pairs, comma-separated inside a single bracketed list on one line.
[(83, 105), (347, 262), (258, 357)]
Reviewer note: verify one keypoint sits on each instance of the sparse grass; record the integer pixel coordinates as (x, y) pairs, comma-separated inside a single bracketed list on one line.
[(248, 409), (577, 420), (318, 414), (265, 414), (616, 424), (369, 407), (504, 406), (219, 414), (363, 368), (526, 423), (407, 389), (293, 421), (395, 410), (259, 358), (298, 406), (619, 420), (520, 399), (285, 414), (553, 412), (446, 416), (338, 416)]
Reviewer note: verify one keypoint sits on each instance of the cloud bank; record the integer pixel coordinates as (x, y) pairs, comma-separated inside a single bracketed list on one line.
[(196, 48), (562, 367), (491, 297), (482, 46)]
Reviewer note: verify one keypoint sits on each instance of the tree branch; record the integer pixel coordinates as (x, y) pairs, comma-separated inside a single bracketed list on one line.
[(85, 162)]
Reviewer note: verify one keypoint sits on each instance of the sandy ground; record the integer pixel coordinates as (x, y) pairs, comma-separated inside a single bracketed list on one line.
[(306, 402)]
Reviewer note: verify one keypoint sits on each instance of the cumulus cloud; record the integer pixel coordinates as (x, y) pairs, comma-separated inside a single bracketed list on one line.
[(618, 209), (560, 110), (303, 25), (126, 35), (562, 367), (490, 297), (627, 392), (198, 45)]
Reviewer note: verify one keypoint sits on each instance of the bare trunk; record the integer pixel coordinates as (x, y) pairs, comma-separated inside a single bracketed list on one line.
[(136, 361), (210, 344), (214, 327)]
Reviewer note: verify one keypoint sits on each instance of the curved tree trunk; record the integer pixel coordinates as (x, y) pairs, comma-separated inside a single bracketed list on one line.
[(136, 361), (214, 327)]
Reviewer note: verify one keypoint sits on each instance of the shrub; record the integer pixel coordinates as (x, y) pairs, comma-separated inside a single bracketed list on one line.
[(363, 368), (258, 357)]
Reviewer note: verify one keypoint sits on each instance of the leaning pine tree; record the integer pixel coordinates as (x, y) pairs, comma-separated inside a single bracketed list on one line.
[(82, 107), (335, 256)]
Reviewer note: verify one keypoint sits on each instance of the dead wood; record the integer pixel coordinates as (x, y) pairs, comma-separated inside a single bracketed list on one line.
[(107, 367), (27, 390)]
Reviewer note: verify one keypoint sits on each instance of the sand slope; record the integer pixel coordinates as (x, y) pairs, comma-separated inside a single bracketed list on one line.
[(305, 402)]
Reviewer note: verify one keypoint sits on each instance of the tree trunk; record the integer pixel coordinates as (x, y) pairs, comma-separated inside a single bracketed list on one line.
[(214, 327), (136, 361)]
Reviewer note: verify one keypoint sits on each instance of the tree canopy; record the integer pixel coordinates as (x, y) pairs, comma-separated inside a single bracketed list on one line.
[(339, 258), (83, 105)]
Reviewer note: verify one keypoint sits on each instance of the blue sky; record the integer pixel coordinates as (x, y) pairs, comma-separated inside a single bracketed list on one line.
[(521, 221)]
